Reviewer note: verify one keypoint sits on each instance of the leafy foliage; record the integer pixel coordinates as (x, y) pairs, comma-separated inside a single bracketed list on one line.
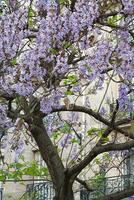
[(52, 55), (16, 170)]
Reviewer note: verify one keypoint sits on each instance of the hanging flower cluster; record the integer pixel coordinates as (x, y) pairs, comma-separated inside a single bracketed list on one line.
[(42, 50)]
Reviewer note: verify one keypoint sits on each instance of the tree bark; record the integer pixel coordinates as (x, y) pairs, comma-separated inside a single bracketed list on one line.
[(120, 194), (48, 152), (65, 192), (62, 181)]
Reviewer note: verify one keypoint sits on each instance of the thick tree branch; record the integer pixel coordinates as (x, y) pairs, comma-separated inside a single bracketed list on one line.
[(127, 133), (84, 184), (124, 121), (98, 117), (96, 151), (72, 5), (119, 195), (84, 109), (48, 151)]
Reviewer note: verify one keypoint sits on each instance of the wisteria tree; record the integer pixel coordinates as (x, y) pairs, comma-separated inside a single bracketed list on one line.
[(53, 50)]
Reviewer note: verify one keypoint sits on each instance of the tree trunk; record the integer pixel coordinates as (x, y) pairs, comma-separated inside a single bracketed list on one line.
[(60, 177), (48, 152), (66, 193)]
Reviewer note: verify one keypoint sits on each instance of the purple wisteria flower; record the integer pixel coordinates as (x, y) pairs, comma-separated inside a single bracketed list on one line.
[(123, 97), (44, 50), (5, 122), (46, 105), (18, 150), (128, 6), (130, 198), (103, 111), (66, 140)]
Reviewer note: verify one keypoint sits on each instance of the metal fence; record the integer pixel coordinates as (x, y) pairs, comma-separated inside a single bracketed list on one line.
[(108, 185), (104, 186), (1, 193), (39, 191)]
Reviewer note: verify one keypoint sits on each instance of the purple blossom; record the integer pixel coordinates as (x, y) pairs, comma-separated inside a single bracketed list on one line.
[(74, 152), (130, 198), (77, 88), (56, 96), (61, 65), (128, 6), (5, 122), (123, 96), (73, 117), (103, 111), (46, 105), (23, 89), (26, 64), (18, 150), (66, 140)]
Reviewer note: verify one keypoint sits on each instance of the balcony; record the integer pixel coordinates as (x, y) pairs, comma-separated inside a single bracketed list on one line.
[(39, 191), (104, 186), (109, 185), (1, 193)]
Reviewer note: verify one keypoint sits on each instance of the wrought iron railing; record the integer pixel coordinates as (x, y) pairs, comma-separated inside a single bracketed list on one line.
[(108, 185), (102, 187), (1, 193), (39, 191)]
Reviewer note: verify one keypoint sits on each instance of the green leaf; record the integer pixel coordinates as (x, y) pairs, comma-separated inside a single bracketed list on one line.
[(44, 171), (106, 156), (101, 132), (54, 51), (2, 175), (31, 14), (97, 161), (74, 140), (16, 171), (21, 157), (66, 44), (16, 165), (91, 131), (113, 20), (71, 80), (55, 135), (69, 92), (66, 128), (13, 61), (64, 2), (105, 139)]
